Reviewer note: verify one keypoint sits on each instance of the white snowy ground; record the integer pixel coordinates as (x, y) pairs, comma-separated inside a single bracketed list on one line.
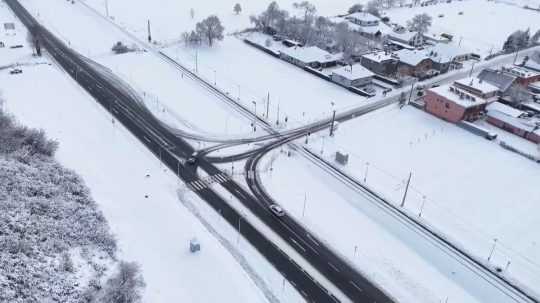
[(235, 66), (154, 231), (473, 190), (483, 25)]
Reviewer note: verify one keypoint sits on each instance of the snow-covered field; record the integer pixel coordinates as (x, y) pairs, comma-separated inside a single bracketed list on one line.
[(153, 231), (482, 26), (468, 188)]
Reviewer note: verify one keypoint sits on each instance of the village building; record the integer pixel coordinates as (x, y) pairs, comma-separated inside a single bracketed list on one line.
[(414, 63), (352, 75), (457, 102), (477, 87), (524, 76), (534, 87), (514, 121), (312, 56), (503, 81), (532, 65), (407, 39), (382, 63)]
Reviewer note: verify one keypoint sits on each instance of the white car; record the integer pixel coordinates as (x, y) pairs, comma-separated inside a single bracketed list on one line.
[(277, 210)]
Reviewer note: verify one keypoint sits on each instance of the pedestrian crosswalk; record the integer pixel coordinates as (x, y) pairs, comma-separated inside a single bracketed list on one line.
[(203, 183)]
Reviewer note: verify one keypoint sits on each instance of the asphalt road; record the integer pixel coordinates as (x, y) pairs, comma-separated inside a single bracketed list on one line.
[(173, 151)]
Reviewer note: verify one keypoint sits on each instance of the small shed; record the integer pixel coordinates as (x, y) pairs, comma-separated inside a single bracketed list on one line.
[(342, 158), (194, 245)]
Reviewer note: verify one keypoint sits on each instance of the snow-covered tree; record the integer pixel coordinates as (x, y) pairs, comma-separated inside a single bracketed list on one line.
[(373, 7), (420, 23), (237, 8), (535, 39), (516, 41), (210, 29), (356, 8)]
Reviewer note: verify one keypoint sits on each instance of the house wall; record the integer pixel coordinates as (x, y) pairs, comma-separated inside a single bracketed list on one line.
[(292, 60), (387, 67), (421, 68), (526, 81), (514, 130), (347, 82), (443, 108), (341, 80)]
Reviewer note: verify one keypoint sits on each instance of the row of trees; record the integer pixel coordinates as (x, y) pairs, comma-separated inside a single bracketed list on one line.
[(47, 219), (521, 39), (309, 28), (207, 31)]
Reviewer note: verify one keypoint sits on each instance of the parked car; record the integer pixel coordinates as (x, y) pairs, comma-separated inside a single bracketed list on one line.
[(192, 160), (277, 210), (15, 71)]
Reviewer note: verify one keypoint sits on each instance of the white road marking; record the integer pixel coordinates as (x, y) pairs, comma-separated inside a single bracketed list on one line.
[(333, 267), (356, 286)]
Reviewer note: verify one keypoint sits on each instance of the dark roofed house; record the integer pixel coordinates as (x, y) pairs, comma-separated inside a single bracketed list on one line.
[(503, 81)]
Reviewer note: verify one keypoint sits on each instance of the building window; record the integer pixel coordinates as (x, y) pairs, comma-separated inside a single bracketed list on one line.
[(447, 105)]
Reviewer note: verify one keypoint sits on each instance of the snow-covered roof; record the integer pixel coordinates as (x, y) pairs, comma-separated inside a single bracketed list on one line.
[(482, 86), (353, 72), (363, 16), (532, 65), (499, 79), (520, 123), (311, 54), (442, 52), (519, 71), (404, 36), (379, 56), (460, 96), (505, 109), (411, 57)]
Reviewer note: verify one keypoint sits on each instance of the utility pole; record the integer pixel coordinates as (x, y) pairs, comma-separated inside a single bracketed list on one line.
[(277, 121), (149, 33), (268, 105), (412, 89), (406, 190), (332, 125), (304, 209), (472, 69)]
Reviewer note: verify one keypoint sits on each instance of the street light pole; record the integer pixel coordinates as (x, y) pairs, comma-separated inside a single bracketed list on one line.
[(406, 190), (332, 126), (492, 249)]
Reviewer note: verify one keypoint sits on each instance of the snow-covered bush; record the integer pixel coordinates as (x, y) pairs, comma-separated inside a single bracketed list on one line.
[(47, 221)]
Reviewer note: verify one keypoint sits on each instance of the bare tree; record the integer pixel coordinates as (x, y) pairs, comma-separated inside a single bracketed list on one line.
[(420, 23), (237, 8), (309, 9), (211, 29)]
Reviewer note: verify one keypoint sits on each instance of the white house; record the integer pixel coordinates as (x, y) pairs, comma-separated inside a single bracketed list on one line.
[(352, 75), (363, 19), (309, 56)]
